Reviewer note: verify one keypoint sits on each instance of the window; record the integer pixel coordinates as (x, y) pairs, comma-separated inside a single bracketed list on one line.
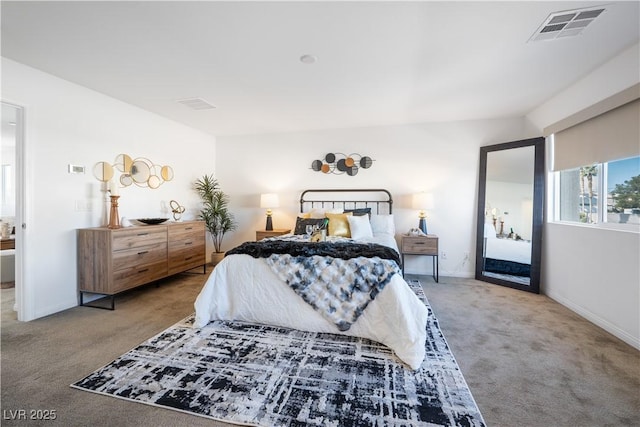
[(600, 193), (623, 191)]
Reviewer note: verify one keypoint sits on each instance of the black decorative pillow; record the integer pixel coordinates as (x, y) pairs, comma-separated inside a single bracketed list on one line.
[(301, 224), (359, 211)]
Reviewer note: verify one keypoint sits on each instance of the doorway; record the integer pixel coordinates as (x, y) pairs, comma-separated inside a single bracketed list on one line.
[(11, 149)]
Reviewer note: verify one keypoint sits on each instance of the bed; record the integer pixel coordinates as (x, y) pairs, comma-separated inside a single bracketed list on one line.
[(258, 289), (507, 256)]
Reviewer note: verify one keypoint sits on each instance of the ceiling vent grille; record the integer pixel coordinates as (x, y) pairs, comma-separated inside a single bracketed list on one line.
[(197, 104), (566, 24)]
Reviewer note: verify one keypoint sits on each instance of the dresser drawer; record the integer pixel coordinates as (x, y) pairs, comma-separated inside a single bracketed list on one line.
[(140, 256), (187, 242), (420, 245), (186, 259), (139, 275), (139, 237), (187, 246), (186, 231)]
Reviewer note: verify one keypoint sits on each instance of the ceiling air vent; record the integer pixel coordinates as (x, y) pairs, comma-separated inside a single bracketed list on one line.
[(197, 104), (566, 24)]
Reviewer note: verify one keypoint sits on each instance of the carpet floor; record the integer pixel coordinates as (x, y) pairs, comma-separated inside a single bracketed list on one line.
[(251, 374), (529, 361)]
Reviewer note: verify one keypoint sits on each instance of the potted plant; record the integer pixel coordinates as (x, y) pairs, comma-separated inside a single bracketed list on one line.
[(215, 213)]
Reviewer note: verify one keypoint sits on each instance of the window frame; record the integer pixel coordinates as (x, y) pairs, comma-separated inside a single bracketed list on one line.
[(602, 223)]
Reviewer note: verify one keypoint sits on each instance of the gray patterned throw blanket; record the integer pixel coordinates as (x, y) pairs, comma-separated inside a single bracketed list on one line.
[(338, 280)]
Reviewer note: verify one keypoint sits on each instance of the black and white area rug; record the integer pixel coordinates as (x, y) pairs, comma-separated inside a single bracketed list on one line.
[(251, 374)]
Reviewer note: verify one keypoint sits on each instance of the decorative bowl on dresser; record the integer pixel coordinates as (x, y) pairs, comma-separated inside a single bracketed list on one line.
[(111, 261), (152, 221)]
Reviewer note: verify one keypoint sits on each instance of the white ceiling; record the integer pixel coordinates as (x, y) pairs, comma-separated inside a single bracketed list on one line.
[(379, 63)]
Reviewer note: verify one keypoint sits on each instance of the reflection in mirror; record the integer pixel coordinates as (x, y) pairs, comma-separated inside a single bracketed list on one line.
[(103, 171), (126, 180), (508, 219), (154, 181), (166, 173), (510, 214), (140, 171), (123, 163)]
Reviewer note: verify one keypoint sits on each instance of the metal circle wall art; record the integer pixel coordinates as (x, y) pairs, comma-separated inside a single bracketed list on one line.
[(338, 163), (140, 171)]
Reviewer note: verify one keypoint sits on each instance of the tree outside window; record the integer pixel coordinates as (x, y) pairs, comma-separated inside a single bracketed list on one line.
[(581, 200)]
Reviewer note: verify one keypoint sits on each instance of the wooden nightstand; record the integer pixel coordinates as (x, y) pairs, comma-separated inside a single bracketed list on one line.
[(421, 245), (8, 244), (261, 234)]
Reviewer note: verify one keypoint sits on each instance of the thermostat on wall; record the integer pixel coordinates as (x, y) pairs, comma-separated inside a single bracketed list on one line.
[(76, 169)]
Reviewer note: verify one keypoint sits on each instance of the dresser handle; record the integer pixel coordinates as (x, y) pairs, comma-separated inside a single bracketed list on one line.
[(189, 228), (142, 234), (142, 271), (143, 252), (188, 243), (419, 243), (188, 258)]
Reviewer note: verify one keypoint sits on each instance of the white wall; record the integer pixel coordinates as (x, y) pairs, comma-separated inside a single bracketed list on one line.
[(68, 124), (594, 271), (441, 158), (614, 76)]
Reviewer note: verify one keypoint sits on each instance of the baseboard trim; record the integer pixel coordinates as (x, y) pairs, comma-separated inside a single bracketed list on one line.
[(597, 320), (47, 311), (464, 275)]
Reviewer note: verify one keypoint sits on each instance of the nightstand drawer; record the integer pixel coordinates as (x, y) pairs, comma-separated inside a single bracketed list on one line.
[(262, 234), (420, 245)]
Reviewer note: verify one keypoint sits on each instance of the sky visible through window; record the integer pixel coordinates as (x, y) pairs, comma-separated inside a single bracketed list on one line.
[(621, 171)]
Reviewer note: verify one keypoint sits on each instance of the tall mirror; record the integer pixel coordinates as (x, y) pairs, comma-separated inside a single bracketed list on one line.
[(510, 214)]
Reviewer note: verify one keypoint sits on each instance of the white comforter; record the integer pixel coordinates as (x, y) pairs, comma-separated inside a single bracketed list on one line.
[(245, 288), (509, 250)]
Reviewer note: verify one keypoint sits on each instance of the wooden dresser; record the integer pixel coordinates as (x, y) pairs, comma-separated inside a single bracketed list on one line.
[(112, 261)]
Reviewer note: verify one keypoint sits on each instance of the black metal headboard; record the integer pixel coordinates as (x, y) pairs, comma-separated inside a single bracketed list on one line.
[(348, 199)]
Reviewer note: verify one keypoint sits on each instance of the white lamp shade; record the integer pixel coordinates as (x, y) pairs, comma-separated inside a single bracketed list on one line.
[(269, 200), (422, 201)]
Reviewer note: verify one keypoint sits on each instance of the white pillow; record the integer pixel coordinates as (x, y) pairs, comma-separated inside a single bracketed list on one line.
[(319, 213), (383, 224), (360, 227)]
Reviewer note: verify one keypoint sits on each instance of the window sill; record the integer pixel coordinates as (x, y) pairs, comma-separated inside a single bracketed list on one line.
[(624, 228)]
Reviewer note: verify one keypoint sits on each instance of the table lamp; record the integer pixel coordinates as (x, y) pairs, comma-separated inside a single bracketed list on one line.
[(422, 202), (268, 201)]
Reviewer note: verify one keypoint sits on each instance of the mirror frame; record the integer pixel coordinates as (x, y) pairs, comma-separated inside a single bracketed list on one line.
[(538, 212)]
